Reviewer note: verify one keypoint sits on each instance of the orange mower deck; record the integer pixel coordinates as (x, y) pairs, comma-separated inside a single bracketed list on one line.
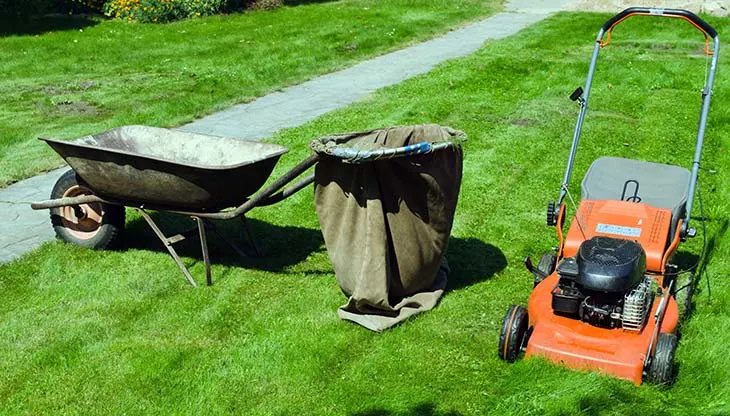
[(579, 345)]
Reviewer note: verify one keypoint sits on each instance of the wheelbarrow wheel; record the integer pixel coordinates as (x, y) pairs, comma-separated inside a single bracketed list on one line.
[(96, 225), (514, 333)]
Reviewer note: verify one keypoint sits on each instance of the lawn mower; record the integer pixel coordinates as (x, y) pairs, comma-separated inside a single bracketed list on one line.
[(605, 300)]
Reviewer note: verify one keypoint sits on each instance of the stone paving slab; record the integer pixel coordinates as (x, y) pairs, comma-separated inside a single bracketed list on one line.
[(24, 229)]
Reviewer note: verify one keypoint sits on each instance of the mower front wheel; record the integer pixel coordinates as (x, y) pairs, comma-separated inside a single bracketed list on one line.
[(514, 333), (661, 367)]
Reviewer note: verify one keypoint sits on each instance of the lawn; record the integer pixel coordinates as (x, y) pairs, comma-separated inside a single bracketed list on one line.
[(66, 77), (121, 332)]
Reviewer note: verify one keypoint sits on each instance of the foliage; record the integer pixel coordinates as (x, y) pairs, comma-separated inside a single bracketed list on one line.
[(133, 10), (263, 4), (154, 11), (23, 9), (95, 5), (160, 11)]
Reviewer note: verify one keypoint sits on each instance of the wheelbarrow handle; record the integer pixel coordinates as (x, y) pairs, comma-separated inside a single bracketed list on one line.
[(687, 15), (261, 197), (69, 201)]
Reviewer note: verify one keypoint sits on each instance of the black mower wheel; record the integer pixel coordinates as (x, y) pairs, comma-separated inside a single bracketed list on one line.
[(513, 334), (96, 225), (661, 367), (546, 265)]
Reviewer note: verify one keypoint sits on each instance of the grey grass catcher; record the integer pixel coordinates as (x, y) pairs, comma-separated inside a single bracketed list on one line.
[(199, 176)]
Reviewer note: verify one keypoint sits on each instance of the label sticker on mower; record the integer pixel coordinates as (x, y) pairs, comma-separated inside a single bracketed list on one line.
[(618, 230)]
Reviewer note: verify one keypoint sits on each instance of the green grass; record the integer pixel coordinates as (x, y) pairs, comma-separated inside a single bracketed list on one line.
[(121, 332), (67, 77)]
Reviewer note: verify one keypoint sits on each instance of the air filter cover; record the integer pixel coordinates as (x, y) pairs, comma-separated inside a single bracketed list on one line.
[(610, 264)]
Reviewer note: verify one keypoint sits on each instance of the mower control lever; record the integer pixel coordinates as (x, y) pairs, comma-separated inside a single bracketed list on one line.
[(534, 270), (576, 95)]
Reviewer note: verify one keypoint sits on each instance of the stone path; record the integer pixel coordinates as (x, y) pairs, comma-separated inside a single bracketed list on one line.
[(24, 229)]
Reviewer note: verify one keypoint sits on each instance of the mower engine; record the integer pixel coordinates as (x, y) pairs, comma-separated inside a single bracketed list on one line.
[(604, 285)]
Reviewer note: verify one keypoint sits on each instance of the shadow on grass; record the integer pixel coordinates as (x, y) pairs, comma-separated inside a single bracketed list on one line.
[(471, 260), (709, 251), (45, 24), (712, 243), (282, 246), (424, 409), (611, 399), (304, 2)]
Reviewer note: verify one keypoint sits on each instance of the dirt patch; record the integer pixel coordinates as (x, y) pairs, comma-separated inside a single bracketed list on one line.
[(523, 122), (51, 90), (67, 88), (69, 108), (79, 108), (713, 7)]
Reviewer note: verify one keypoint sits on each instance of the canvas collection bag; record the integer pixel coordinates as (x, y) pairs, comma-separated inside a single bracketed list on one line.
[(386, 219)]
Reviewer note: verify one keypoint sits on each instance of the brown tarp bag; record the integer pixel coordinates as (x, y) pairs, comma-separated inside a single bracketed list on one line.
[(385, 200)]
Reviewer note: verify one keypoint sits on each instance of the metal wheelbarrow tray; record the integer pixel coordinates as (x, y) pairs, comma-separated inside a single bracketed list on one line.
[(168, 169), (153, 168)]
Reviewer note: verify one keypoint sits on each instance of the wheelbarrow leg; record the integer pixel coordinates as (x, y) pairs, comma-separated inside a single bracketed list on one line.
[(204, 249), (167, 242)]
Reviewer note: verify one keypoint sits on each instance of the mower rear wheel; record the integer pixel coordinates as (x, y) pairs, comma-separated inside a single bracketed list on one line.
[(661, 367), (96, 225), (546, 266), (514, 333)]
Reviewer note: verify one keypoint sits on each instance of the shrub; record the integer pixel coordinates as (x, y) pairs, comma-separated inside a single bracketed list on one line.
[(95, 5), (23, 9), (263, 4), (169, 10), (161, 10)]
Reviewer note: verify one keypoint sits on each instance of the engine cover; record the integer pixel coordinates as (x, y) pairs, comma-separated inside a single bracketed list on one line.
[(610, 265)]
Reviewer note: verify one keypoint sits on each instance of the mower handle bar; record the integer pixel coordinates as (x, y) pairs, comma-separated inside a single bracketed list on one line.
[(700, 24), (607, 27)]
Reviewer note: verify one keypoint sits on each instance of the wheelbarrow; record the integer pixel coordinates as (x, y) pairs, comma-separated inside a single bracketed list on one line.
[(203, 177), (149, 168)]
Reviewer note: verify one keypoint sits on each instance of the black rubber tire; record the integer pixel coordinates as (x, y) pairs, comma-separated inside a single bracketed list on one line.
[(109, 231), (546, 265), (551, 216), (661, 367), (513, 334)]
